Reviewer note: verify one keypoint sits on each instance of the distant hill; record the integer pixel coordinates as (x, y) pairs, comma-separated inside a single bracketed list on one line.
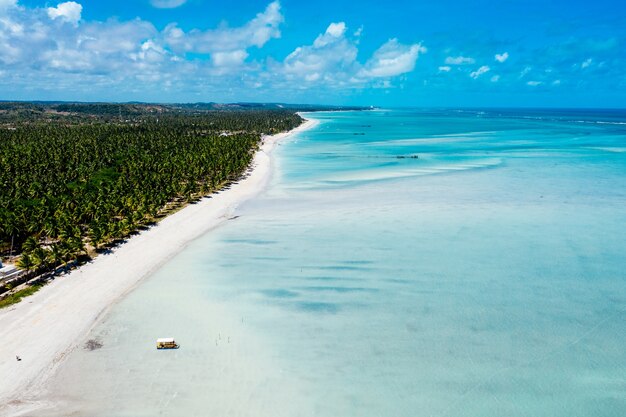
[(37, 110)]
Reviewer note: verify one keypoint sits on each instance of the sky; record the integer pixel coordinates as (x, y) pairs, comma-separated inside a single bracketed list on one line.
[(445, 53)]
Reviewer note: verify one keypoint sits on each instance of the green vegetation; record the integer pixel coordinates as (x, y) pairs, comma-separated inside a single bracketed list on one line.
[(16, 297), (75, 177)]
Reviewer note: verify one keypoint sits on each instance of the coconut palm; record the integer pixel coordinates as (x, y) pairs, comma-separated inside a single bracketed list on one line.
[(30, 244), (25, 262), (87, 177), (39, 257), (96, 235), (55, 255)]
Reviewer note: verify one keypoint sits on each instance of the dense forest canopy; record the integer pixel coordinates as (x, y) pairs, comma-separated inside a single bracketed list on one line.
[(76, 176), (85, 112)]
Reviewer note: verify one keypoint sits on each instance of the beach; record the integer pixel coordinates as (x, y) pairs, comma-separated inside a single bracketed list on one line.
[(484, 278), (44, 328), (398, 262)]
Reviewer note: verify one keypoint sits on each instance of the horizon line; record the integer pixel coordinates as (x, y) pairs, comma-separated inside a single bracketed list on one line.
[(169, 103)]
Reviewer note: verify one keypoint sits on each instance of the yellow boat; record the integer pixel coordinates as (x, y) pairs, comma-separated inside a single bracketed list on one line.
[(167, 343)]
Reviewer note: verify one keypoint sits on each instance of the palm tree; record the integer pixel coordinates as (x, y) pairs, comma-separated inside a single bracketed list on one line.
[(25, 262), (63, 179), (30, 244), (55, 255), (76, 246), (66, 254), (95, 235), (49, 227), (39, 257)]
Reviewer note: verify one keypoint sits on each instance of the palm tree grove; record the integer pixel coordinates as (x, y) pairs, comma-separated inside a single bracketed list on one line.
[(77, 177)]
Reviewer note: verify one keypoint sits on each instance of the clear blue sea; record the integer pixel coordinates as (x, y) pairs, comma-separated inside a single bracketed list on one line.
[(401, 263)]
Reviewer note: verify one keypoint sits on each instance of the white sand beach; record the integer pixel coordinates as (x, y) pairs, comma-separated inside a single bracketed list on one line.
[(44, 328)]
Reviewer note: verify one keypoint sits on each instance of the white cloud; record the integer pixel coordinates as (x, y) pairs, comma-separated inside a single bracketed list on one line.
[(333, 32), (332, 59), (534, 83), (502, 57), (53, 49), (5, 4), (38, 44), (495, 78), (10, 27), (229, 59), (336, 29), (113, 37), (586, 63), (392, 59), (124, 49), (459, 60), (525, 72), (256, 32), (480, 71), (556, 82), (167, 4), (312, 77), (69, 12), (444, 68), (150, 52), (331, 55)]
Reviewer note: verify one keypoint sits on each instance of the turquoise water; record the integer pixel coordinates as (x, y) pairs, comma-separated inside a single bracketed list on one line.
[(401, 263)]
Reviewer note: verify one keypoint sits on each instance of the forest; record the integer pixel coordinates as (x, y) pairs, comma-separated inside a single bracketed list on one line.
[(75, 178)]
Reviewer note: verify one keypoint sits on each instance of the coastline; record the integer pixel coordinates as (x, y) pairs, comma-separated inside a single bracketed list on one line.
[(45, 327)]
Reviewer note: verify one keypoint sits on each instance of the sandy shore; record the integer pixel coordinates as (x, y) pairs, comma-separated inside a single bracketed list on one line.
[(45, 327)]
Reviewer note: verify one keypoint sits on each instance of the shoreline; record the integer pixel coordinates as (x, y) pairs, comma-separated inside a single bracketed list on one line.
[(45, 327)]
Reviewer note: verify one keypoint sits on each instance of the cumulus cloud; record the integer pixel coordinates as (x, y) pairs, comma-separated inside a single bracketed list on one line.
[(54, 40), (332, 59), (103, 47), (392, 59), (167, 4), (333, 32), (459, 60), (257, 32), (54, 49), (230, 58), (480, 71), (534, 83), (49, 42), (444, 68), (5, 4), (331, 56), (150, 52), (586, 63), (69, 12), (336, 29), (502, 57)]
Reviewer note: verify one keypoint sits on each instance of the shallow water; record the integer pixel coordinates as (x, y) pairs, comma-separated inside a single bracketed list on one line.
[(401, 263)]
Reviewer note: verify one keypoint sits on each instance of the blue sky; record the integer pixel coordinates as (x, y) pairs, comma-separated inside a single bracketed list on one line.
[(401, 53)]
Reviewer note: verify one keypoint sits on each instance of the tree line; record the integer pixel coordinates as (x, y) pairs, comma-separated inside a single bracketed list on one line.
[(74, 183)]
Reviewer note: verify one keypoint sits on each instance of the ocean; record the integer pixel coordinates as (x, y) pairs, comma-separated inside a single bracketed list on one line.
[(403, 262)]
